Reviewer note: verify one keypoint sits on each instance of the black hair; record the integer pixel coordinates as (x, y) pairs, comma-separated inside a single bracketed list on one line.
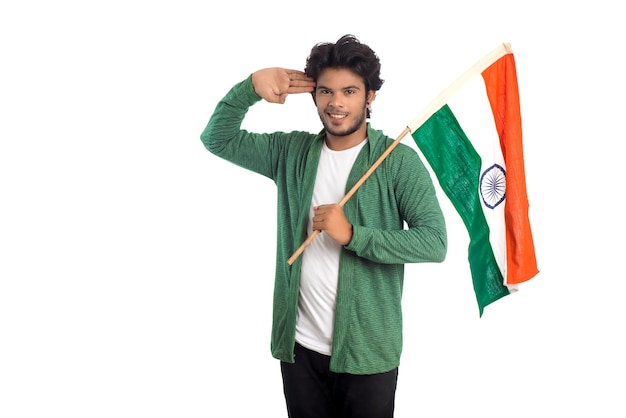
[(348, 52)]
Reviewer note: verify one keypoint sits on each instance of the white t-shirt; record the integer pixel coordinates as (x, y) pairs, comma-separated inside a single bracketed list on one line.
[(320, 259)]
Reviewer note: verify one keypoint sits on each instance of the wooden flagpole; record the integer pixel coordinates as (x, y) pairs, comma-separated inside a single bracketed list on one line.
[(351, 192)]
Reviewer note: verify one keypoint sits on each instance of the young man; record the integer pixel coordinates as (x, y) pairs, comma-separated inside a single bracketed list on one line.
[(337, 327)]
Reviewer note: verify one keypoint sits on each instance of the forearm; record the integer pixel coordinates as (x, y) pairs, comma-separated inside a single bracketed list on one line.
[(414, 245), (224, 137), (224, 126)]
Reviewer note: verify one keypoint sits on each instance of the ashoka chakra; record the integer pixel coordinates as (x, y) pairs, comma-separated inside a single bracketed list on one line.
[(493, 186)]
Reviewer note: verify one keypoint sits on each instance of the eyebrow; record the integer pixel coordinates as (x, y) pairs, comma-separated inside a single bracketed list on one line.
[(351, 87)]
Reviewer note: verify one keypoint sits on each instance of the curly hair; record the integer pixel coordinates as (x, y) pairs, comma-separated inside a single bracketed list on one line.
[(348, 52)]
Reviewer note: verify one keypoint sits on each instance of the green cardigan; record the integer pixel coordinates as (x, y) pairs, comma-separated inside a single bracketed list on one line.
[(396, 219)]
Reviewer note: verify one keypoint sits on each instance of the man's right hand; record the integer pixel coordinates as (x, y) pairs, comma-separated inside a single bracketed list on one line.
[(274, 84)]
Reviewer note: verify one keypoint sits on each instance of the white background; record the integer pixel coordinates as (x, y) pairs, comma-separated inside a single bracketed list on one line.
[(136, 268)]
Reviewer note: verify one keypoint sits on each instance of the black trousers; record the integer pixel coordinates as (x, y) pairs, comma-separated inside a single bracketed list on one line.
[(313, 391)]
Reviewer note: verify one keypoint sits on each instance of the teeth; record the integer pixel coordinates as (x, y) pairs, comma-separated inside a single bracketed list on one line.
[(337, 116)]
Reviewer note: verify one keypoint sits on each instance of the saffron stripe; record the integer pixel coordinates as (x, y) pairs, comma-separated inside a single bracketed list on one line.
[(502, 89)]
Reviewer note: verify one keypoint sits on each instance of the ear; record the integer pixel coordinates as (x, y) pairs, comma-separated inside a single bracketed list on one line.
[(371, 95)]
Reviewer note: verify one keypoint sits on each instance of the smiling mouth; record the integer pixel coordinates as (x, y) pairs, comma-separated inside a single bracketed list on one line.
[(336, 116)]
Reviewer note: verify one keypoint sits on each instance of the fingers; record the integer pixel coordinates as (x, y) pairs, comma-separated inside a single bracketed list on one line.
[(299, 82), (297, 75), (331, 219), (327, 213)]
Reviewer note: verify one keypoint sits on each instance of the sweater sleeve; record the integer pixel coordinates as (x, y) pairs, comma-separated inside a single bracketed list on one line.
[(224, 137), (425, 238)]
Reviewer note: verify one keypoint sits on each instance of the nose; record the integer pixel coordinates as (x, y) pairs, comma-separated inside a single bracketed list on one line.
[(335, 101)]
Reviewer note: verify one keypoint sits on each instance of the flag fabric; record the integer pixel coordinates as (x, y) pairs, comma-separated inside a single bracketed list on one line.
[(471, 135)]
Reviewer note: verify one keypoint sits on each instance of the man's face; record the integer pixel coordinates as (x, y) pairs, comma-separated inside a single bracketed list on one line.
[(341, 101)]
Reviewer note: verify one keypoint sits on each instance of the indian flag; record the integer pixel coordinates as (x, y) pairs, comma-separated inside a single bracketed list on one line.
[(471, 135)]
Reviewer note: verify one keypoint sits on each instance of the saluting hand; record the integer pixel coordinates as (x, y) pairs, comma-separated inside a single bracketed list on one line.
[(274, 84)]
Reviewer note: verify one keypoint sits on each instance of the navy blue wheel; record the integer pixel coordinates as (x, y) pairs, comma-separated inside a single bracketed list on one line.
[(493, 186)]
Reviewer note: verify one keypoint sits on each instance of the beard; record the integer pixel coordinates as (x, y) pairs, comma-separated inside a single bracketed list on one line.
[(358, 122)]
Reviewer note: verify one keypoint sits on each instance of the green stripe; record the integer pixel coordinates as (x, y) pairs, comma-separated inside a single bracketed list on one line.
[(456, 164)]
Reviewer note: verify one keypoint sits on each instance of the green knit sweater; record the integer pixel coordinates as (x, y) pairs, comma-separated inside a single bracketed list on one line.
[(396, 219)]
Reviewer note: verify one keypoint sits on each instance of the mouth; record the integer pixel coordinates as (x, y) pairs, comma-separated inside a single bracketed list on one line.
[(337, 116)]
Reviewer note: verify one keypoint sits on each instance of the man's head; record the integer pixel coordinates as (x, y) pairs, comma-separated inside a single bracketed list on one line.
[(347, 77), (347, 53)]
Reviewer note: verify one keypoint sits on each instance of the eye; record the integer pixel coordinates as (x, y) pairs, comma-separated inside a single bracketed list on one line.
[(350, 91), (323, 91)]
